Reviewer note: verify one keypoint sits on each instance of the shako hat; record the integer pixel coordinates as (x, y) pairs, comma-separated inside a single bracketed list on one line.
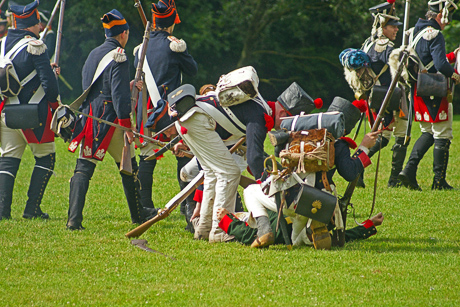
[(164, 14), (160, 118), (25, 16), (114, 23), (446, 7), (182, 99), (295, 100), (384, 14), (351, 111)]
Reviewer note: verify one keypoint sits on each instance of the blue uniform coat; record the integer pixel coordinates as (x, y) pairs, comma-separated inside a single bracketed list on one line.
[(109, 99), (24, 63)]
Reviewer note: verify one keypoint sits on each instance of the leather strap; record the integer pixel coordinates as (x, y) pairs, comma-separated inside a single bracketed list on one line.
[(326, 184)]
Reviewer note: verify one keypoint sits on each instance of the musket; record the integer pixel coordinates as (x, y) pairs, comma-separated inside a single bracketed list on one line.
[(405, 42), (135, 133), (57, 51), (361, 119), (176, 200), (140, 9), (50, 20), (125, 164), (344, 201)]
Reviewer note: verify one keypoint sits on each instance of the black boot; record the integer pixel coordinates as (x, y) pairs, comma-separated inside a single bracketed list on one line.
[(440, 161), (79, 185), (181, 162), (408, 176), (397, 161), (43, 170), (8, 170), (379, 144), (139, 214), (190, 207), (145, 177)]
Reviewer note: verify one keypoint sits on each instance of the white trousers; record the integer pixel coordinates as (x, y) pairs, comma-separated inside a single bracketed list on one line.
[(440, 130), (258, 203), (13, 143), (221, 172)]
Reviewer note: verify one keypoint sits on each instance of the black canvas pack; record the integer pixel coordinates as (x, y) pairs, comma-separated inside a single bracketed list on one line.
[(315, 204), (378, 94), (429, 84), (21, 116)]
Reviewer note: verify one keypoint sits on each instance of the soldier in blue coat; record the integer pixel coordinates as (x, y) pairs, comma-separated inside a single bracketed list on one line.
[(379, 47), (167, 59), (108, 99), (433, 113), (39, 95)]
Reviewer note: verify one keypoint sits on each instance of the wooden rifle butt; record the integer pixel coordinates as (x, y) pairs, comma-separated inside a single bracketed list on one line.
[(125, 165), (139, 230)]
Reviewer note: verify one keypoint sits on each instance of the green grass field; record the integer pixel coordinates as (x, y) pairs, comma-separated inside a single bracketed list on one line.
[(414, 260)]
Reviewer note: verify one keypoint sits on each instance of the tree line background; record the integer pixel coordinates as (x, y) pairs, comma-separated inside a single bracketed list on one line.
[(284, 40)]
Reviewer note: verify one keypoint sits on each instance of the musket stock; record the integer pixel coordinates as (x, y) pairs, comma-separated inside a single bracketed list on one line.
[(126, 155), (176, 200)]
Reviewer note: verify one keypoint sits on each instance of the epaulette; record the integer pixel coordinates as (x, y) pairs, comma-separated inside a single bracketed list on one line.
[(430, 33), (36, 47), (136, 49), (120, 55), (382, 43), (350, 142), (177, 45)]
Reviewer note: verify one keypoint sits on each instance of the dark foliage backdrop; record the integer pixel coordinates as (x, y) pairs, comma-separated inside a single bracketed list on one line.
[(285, 40)]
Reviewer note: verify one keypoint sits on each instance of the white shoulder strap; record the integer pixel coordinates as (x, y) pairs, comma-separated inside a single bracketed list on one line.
[(368, 46), (220, 119), (414, 43), (105, 61), (150, 81)]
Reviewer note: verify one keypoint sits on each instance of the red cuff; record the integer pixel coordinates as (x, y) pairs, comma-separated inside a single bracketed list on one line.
[(364, 159), (451, 57), (198, 196), (183, 130), (225, 223), (368, 224), (125, 122)]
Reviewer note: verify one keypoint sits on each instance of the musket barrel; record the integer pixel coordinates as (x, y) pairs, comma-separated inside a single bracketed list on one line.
[(50, 20)]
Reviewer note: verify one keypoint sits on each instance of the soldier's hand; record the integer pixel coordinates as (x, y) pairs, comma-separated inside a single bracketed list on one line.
[(130, 136), (456, 78), (177, 149), (56, 68), (196, 212), (139, 85), (370, 139), (221, 212)]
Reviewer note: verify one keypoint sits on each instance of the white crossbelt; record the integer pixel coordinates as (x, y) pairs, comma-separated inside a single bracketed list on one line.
[(150, 81), (223, 121)]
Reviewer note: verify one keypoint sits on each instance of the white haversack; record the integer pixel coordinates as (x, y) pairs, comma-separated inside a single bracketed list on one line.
[(238, 86)]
